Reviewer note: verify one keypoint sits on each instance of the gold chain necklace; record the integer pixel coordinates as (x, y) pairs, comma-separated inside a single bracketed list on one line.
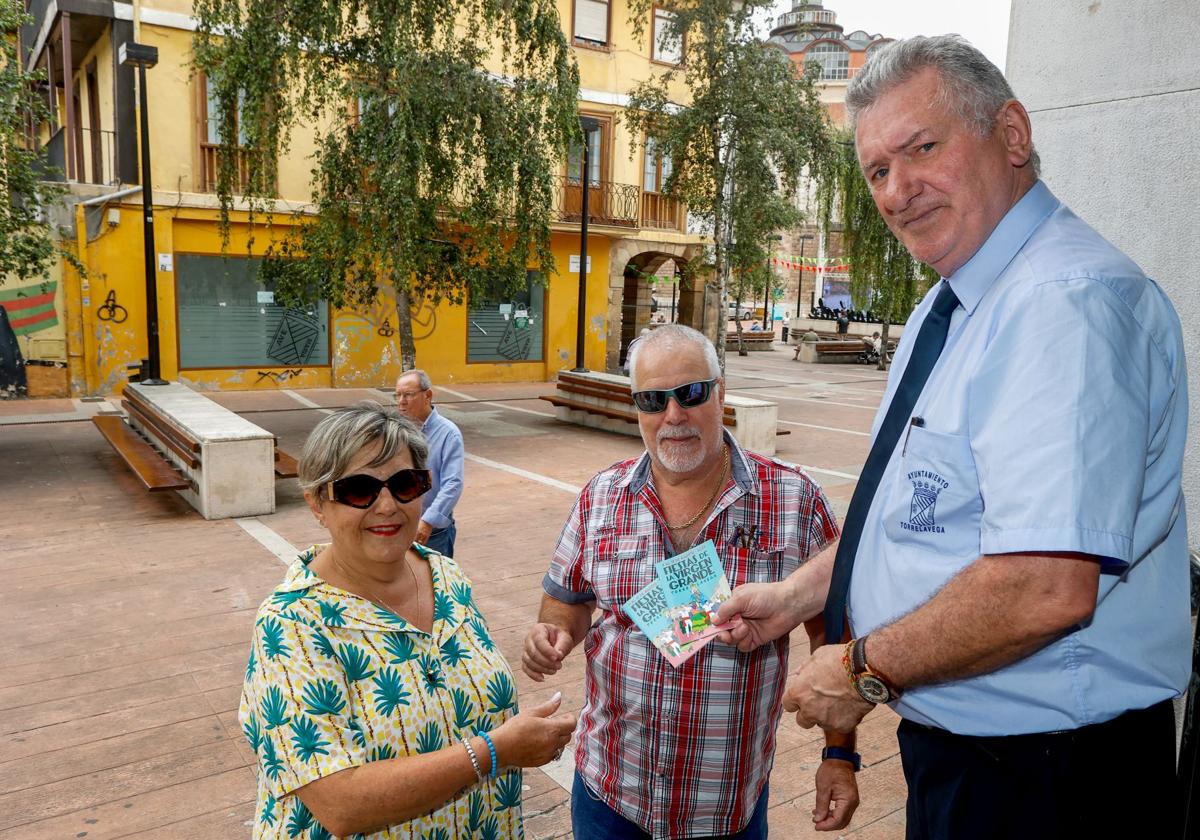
[(704, 507), (380, 602)]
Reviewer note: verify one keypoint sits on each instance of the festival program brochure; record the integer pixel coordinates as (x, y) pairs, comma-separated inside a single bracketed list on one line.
[(677, 612)]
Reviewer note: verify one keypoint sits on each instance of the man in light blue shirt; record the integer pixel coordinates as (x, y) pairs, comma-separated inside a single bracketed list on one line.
[(414, 398), (1019, 593)]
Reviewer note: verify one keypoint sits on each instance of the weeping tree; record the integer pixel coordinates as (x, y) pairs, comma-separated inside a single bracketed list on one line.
[(883, 275), (28, 247), (440, 125), (752, 124)]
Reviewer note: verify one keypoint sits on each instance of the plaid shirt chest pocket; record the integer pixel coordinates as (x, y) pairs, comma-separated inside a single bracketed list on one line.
[(619, 568), (764, 563)]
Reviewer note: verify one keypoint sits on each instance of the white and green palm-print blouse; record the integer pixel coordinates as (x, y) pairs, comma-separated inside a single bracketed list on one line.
[(334, 681)]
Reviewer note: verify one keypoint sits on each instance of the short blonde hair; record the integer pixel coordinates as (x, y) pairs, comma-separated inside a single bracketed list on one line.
[(338, 438)]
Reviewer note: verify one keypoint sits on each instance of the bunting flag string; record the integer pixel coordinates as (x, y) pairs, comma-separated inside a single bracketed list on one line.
[(820, 265)]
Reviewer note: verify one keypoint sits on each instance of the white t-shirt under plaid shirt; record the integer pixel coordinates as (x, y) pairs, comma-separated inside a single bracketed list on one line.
[(685, 752)]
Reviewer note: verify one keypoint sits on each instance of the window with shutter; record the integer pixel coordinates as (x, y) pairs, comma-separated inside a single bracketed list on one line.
[(591, 21)]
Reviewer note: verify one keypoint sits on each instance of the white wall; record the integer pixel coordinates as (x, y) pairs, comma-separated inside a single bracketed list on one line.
[(1113, 87)]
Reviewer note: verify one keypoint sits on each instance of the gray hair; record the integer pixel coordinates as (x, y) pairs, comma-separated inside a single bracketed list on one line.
[(422, 378), (970, 86), (673, 336), (338, 439)]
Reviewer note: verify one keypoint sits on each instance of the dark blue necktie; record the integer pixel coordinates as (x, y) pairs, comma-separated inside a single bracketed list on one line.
[(924, 356)]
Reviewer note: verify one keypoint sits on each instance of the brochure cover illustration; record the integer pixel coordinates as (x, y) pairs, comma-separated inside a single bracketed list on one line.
[(677, 612)]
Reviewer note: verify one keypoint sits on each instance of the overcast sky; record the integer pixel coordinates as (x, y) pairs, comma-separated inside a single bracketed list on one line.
[(982, 22)]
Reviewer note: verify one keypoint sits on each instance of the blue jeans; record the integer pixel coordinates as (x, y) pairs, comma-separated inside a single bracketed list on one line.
[(593, 819), (442, 539)]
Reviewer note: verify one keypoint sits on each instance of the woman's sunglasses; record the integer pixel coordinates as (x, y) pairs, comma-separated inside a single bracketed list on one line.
[(361, 491), (688, 396)]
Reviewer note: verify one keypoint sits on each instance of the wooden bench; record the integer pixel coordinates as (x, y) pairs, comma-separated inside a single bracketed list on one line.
[(752, 340), (154, 471), (158, 449)]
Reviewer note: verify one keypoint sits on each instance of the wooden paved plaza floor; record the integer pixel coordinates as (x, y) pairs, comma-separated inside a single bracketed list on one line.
[(125, 617)]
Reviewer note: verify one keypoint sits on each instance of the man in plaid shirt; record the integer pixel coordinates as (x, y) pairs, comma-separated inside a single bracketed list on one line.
[(668, 753)]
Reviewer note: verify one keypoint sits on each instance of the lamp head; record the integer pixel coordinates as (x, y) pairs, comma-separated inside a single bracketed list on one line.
[(135, 54)]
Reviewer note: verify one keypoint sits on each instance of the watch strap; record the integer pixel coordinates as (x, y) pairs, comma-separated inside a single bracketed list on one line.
[(842, 754)]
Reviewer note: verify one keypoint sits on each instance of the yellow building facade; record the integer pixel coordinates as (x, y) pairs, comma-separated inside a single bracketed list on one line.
[(219, 327)]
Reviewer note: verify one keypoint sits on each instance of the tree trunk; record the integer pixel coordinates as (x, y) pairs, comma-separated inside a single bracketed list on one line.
[(883, 344), (408, 347), (737, 317)]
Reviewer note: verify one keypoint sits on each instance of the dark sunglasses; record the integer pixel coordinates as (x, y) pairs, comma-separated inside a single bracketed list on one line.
[(361, 491), (688, 396)]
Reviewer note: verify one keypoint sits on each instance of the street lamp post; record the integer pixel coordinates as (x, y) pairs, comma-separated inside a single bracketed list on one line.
[(804, 237), (587, 124), (144, 56)]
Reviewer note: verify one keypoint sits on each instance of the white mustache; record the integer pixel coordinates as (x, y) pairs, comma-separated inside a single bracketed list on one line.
[(677, 433)]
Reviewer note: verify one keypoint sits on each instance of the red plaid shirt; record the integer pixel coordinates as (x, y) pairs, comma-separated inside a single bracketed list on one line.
[(681, 752)]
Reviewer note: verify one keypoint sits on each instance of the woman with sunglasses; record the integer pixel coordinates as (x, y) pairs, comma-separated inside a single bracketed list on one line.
[(375, 699)]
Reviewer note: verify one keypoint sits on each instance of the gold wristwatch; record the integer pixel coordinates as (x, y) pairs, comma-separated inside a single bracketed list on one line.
[(871, 686)]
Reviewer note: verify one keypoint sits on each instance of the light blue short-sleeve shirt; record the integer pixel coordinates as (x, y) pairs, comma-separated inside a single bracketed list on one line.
[(1055, 420)]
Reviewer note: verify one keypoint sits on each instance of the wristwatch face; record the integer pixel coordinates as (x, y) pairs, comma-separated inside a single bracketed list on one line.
[(872, 689)]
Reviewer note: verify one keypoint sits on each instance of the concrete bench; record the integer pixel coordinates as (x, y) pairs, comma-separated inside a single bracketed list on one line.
[(224, 465), (604, 401), (834, 351)]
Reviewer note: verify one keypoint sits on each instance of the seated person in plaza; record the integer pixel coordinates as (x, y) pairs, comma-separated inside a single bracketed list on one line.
[(683, 753), (357, 654), (873, 343), (809, 336)]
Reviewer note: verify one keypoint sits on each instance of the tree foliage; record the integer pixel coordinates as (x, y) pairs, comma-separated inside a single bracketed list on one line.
[(752, 126), (27, 245), (439, 128), (884, 277)]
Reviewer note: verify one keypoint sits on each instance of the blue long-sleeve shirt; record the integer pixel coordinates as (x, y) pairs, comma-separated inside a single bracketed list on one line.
[(446, 464)]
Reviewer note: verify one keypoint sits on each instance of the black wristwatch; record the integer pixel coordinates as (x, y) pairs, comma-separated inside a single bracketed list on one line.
[(871, 685), (843, 754)]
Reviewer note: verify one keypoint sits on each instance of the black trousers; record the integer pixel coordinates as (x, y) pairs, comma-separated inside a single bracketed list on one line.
[(1112, 779)]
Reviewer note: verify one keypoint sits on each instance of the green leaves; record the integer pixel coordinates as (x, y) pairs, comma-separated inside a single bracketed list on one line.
[(399, 647), (443, 607), (306, 738), (440, 126), (389, 693), (272, 638), (453, 652), (430, 738), (474, 812), (355, 662), (464, 710), (252, 732), (508, 790), (461, 591), (333, 614), (272, 765), (275, 708), (300, 820), (481, 633), (501, 693), (323, 697)]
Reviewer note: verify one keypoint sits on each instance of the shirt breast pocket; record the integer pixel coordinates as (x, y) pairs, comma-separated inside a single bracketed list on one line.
[(619, 569), (764, 564), (934, 502)]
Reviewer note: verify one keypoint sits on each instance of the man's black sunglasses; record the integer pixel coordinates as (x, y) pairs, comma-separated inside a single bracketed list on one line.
[(361, 491), (688, 396)]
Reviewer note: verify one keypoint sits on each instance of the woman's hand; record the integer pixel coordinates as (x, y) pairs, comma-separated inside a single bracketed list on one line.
[(535, 736)]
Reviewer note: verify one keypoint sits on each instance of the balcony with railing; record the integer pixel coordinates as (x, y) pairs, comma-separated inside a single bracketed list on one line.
[(210, 155), (619, 205), (95, 157), (609, 203), (661, 212)]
